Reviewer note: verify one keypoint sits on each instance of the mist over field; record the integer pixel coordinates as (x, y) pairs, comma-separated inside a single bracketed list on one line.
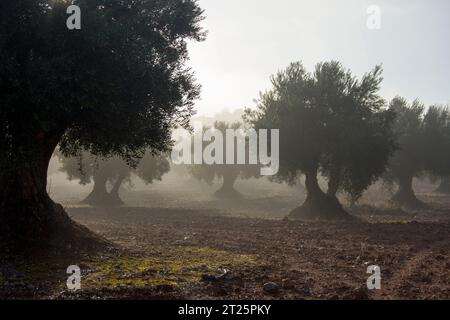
[(250, 150)]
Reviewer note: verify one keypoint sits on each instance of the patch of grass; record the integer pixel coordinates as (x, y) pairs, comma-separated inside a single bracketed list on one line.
[(162, 265), (397, 222), (76, 206), (171, 265)]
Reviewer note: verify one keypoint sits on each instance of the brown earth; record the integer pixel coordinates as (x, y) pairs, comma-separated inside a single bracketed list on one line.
[(168, 253)]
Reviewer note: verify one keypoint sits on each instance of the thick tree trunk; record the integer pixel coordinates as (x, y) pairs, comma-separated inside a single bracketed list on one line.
[(28, 217), (318, 205), (114, 193), (100, 196), (227, 190), (405, 196), (444, 186)]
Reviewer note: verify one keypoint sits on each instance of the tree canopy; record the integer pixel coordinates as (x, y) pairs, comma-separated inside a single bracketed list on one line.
[(87, 168), (114, 88), (424, 147), (331, 122)]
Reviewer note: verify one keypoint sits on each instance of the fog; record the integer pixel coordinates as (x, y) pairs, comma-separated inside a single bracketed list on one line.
[(250, 40), (178, 189), (224, 150)]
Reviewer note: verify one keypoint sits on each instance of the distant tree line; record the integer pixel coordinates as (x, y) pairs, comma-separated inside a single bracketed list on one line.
[(337, 125), (333, 125), (118, 87), (87, 168)]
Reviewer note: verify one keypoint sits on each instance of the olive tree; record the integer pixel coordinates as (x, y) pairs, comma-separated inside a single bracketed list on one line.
[(87, 168), (228, 173), (331, 123), (115, 87), (424, 147)]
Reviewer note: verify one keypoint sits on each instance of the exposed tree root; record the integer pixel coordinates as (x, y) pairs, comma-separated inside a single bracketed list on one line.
[(48, 230)]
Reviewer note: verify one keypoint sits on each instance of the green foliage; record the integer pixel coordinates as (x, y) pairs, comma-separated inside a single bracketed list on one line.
[(424, 140), (328, 121), (436, 131), (115, 87), (85, 166)]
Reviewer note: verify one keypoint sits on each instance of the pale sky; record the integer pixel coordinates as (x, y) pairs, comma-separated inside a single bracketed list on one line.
[(249, 40)]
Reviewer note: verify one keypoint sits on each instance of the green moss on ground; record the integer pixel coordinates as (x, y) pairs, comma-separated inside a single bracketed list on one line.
[(171, 266), (161, 266), (397, 222)]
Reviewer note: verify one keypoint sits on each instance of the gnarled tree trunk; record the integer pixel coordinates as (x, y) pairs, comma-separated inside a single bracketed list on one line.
[(28, 217), (318, 205), (100, 196), (405, 196)]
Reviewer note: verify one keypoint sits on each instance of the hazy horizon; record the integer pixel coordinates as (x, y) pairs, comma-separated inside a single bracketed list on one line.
[(244, 47)]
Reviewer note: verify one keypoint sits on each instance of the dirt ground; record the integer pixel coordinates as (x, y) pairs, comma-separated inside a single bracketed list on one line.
[(213, 251)]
